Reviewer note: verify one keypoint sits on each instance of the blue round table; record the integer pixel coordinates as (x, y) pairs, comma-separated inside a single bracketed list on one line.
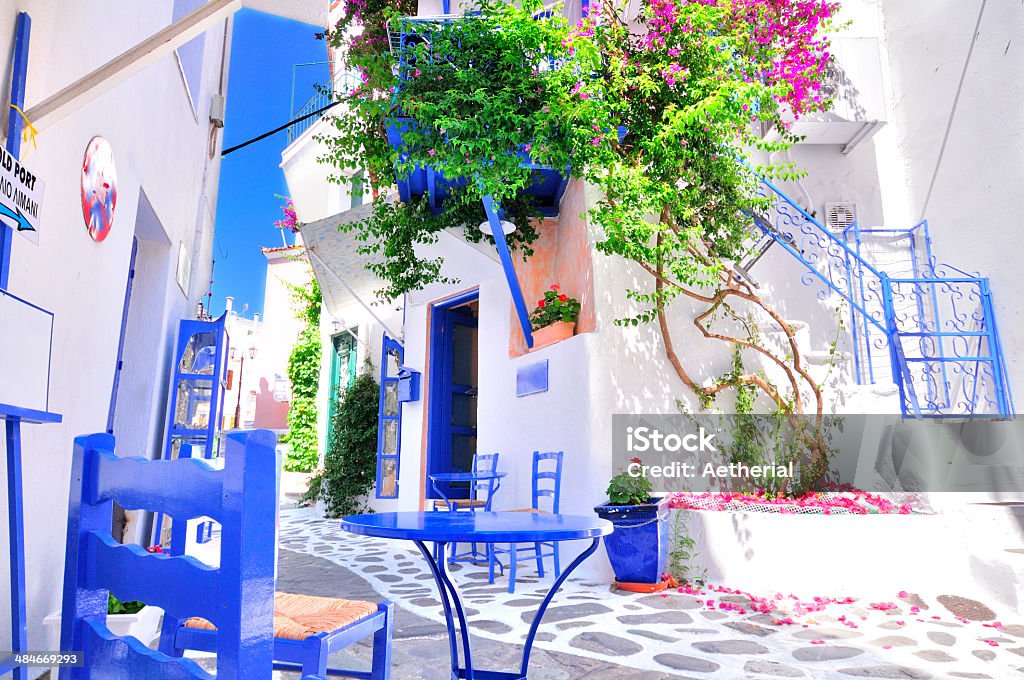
[(480, 527)]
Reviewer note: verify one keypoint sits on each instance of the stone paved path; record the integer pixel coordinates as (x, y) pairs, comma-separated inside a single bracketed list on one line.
[(593, 631)]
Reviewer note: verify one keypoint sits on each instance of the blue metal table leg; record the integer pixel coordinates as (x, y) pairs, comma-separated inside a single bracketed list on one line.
[(450, 599), (444, 587), (547, 600), (16, 533)]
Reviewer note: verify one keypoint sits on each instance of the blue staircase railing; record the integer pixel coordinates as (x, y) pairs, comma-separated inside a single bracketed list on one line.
[(934, 324)]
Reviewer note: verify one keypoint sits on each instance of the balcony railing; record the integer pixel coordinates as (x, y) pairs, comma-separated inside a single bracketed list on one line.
[(345, 81)]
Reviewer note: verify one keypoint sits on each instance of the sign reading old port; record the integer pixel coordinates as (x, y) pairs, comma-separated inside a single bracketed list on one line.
[(21, 197)]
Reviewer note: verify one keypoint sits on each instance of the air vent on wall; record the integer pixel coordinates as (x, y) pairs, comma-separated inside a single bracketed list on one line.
[(840, 215)]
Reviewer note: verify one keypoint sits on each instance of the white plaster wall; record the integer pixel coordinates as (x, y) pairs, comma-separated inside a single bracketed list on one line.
[(160, 146), (971, 147), (315, 196), (976, 201), (624, 370)]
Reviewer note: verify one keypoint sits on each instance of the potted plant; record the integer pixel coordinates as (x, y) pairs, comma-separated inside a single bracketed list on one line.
[(134, 618), (554, 319), (635, 546)]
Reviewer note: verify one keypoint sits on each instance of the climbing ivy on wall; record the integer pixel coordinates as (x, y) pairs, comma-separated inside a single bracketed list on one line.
[(304, 374), (350, 461)]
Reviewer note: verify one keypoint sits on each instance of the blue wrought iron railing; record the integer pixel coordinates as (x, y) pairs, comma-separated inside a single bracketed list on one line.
[(344, 81), (934, 325)]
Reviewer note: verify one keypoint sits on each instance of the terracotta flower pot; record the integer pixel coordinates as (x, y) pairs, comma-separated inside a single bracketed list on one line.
[(556, 332)]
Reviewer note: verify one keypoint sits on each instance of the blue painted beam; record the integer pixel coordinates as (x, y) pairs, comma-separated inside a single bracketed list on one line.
[(510, 271)]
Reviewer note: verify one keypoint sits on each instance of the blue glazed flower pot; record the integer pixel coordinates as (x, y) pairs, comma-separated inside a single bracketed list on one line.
[(635, 548)]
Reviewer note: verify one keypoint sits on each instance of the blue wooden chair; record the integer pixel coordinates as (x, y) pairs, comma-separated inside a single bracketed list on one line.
[(307, 629), (547, 483), (204, 608), (238, 595), (482, 462)]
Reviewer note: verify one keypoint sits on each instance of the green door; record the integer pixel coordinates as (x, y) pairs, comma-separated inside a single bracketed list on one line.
[(343, 372)]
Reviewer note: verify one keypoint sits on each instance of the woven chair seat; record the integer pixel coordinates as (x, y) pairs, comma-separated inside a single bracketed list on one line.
[(296, 617), (460, 503), (537, 510)]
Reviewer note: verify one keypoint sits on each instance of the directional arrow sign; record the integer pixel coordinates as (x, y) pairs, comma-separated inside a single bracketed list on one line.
[(21, 197)]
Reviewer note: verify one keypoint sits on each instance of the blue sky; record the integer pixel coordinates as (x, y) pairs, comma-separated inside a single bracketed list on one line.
[(264, 50)]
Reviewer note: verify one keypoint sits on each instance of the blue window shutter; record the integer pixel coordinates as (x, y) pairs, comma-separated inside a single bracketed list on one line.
[(389, 419)]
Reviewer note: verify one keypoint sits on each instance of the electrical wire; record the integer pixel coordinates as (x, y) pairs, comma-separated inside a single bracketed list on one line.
[(236, 147)]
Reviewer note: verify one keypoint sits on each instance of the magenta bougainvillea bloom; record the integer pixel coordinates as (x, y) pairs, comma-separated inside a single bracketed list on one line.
[(289, 221)]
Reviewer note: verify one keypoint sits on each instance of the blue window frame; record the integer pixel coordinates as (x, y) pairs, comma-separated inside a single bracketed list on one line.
[(389, 419)]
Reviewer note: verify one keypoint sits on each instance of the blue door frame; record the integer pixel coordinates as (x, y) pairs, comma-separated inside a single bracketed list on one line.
[(442, 390)]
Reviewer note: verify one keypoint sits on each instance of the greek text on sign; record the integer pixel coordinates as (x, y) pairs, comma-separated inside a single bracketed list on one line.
[(21, 197)]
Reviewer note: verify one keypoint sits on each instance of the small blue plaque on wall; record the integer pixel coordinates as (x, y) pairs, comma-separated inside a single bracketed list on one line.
[(532, 378)]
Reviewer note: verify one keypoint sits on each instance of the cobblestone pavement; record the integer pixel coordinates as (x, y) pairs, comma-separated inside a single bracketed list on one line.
[(593, 631)]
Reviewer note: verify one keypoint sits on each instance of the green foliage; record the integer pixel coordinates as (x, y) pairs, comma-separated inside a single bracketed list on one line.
[(115, 606), (304, 374), (661, 115), (475, 111), (682, 554), (501, 82), (555, 306), (627, 489), (350, 462)]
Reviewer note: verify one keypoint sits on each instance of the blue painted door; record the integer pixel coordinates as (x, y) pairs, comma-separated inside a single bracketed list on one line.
[(454, 419)]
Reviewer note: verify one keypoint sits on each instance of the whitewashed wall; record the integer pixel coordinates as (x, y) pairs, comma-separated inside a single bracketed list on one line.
[(166, 193), (972, 209)]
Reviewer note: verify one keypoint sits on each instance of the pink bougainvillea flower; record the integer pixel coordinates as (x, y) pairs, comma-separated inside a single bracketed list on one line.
[(903, 594), (817, 642)]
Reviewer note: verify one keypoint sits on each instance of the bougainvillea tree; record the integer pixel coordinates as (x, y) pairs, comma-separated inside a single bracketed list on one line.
[(656, 110)]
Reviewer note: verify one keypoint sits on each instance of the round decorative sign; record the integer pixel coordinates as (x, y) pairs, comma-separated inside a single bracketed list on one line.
[(99, 188)]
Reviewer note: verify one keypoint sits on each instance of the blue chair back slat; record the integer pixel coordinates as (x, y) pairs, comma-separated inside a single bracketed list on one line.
[(237, 597), (484, 462), (547, 483), (138, 483), (128, 659), (131, 573)]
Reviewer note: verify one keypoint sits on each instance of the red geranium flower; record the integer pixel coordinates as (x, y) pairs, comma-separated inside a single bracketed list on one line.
[(563, 297), (540, 303), (635, 460), (554, 286)]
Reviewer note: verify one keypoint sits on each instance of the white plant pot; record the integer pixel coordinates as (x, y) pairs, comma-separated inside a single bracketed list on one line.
[(144, 626)]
